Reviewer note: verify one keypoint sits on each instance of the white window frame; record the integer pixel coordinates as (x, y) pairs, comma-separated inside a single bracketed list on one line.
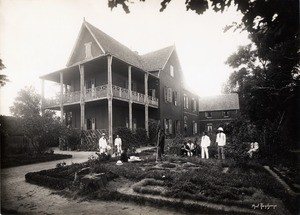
[(185, 101), (209, 127), (195, 127), (172, 72)]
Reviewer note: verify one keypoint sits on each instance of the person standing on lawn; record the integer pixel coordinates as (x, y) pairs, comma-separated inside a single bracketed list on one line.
[(221, 142), (161, 143), (118, 144), (102, 144), (205, 142)]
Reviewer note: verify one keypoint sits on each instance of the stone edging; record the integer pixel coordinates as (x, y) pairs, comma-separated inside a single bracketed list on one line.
[(284, 184), (217, 208)]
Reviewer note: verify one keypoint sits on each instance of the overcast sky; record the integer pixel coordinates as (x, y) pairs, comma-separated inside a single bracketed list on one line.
[(37, 37)]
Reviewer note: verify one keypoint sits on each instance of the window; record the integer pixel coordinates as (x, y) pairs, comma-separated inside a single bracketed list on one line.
[(168, 94), (185, 102), (175, 98), (208, 114), (91, 124), (195, 127), (209, 127), (226, 113), (185, 125), (172, 71), (194, 104), (88, 50), (168, 126)]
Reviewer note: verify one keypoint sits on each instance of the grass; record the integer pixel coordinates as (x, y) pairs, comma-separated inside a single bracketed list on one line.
[(178, 177)]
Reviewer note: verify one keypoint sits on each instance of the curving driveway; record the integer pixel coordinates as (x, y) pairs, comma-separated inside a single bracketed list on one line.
[(25, 198)]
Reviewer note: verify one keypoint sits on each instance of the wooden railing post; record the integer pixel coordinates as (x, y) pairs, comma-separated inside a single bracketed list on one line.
[(130, 98), (61, 78), (82, 95), (109, 98)]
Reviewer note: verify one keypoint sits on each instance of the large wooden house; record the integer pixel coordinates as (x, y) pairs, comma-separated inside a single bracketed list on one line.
[(106, 85)]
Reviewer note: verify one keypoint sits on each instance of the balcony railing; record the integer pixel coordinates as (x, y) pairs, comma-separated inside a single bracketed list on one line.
[(100, 92)]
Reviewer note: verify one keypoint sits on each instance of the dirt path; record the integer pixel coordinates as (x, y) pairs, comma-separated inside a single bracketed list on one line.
[(26, 198)]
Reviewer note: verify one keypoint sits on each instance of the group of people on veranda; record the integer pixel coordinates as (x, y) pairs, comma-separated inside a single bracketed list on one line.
[(189, 148)]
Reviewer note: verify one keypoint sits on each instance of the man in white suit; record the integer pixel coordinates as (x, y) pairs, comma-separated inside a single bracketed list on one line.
[(221, 142), (205, 142)]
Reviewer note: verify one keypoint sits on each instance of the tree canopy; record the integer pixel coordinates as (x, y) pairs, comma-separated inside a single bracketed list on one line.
[(41, 130), (3, 78)]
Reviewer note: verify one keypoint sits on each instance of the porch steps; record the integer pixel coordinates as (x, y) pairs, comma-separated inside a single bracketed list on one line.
[(91, 137)]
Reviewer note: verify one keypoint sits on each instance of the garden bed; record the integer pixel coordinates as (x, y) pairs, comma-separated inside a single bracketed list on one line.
[(181, 178), (24, 159)]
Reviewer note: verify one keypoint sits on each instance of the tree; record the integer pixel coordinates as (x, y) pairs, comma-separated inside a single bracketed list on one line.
[(3, 78), (40, 130), (27, 103)]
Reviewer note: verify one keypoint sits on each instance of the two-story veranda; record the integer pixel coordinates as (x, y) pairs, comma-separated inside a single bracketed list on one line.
[(104, 86)]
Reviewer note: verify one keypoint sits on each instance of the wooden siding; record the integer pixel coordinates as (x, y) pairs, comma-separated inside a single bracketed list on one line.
[(79, 52)]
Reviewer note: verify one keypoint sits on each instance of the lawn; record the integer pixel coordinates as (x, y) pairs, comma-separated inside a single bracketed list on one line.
[(180, 178)]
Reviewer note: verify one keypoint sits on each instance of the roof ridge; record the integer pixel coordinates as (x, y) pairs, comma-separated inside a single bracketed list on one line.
[(161, 49), (110, 37)]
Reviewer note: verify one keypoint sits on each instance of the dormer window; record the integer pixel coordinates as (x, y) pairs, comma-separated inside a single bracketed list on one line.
[(88, 50), (171, 70), (226, 113), (208, 114)]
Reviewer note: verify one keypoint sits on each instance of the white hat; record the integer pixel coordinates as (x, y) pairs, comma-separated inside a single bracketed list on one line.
[(220, 129), (103, 134), (119, 163)]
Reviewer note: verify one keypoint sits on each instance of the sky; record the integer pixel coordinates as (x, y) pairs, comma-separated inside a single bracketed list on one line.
[(37, 37)]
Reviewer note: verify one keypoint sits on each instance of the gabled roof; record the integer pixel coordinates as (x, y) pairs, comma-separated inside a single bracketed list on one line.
[(112, 46), (148, 62), (220, 102), (156, 60)]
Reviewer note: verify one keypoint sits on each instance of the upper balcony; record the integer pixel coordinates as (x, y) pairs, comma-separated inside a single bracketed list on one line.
[(98, 93)]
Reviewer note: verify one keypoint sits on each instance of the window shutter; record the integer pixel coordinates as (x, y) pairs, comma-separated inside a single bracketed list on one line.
[(169, 98)]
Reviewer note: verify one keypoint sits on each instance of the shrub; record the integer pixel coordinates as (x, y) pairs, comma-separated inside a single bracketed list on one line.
[(47, 181), (128, 138), (174, 145), (141, 136), (153, 129)]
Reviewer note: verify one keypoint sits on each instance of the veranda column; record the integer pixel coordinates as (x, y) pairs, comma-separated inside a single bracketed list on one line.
[(43, 97), (82, 95), (130, 97), (61, 77), (146, 104), (109, 98)]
